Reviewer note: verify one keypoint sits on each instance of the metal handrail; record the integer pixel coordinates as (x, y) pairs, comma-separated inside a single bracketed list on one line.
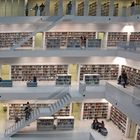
[(35, 111)]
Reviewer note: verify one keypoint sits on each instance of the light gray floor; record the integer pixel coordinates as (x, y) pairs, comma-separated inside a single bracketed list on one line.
[(81, 131)]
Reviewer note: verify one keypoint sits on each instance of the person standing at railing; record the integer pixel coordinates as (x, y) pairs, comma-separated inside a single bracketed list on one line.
[(83, 42), (41, 7), (69, 8), (36, 8), (133, 3)]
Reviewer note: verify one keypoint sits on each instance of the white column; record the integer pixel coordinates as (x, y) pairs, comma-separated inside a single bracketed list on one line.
[(33, 45), (111, 8), (73, 11), (44, 45), (109, 111), (135, 138), (46, 11), (82, 110), (128, 124), (98, 8), (86, 7), (104, 42), (60, 7)]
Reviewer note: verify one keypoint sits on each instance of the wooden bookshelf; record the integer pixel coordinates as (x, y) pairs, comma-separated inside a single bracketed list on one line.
[(9, 39), (42, 72), (105, 9), (80, 10), (138, 134), (106, 72), (118, 118), (92, 8), (133, 75), (116, 37), (65, 122), (95, 110), (18, 109)]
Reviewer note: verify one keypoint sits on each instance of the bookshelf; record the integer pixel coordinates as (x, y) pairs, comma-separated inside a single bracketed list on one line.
[(61, 36), (92, 8), (18, 109), (105, 9), (116, 37), (135, 36), (94, 43), (67, 39), (91, 79), (9, 39), (118, 118), (45, 123), (116, 9), (42, 72), (106, 72), (80, 10), (138, 134), (133, 75), (95, 110), (63, 79), (65, 122)]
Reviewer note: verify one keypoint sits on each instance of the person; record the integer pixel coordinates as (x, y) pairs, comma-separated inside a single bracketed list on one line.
[(101, 126), (0, 79), (36, 9), (69, 8), (27, 111), (17, 119), (27, 9), (34, 79), (83, 41), (124, 78), (95, 124), (42, 6), (119, 79), (132, 3)]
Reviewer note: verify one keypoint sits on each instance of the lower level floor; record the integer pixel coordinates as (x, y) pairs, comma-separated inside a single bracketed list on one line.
[(81, 131)]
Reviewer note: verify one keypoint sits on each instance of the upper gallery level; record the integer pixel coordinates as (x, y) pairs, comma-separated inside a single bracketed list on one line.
[(69, 7)]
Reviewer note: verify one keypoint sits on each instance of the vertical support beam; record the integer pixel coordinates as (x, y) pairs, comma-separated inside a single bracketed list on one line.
[(111, 8), (98, 8), (127, 131), (46, 11), (109, 111), (105, 40), (73, 11), (82, 110), (60, 7), (44, 45), (86, 7)]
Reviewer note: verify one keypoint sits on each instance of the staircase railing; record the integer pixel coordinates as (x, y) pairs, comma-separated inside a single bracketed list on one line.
[(39, 112), (51, 22)]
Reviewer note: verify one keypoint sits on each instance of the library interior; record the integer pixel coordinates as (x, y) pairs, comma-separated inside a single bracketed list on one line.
[(69, 69)]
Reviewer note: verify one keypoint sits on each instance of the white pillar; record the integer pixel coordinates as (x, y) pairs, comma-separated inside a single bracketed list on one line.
[(44, 44), (98, 8), (127, 130), (104, 42), (82, 110), (135, 138), (46, 11), (109, 111), (60, 7), (111, 8), (86, 7), (73, 11)]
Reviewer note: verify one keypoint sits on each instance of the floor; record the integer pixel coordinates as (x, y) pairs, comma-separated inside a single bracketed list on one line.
[(81, 131)]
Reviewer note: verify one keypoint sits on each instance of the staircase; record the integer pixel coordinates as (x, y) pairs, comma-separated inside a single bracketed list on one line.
[(48, 24), (39, 112)]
